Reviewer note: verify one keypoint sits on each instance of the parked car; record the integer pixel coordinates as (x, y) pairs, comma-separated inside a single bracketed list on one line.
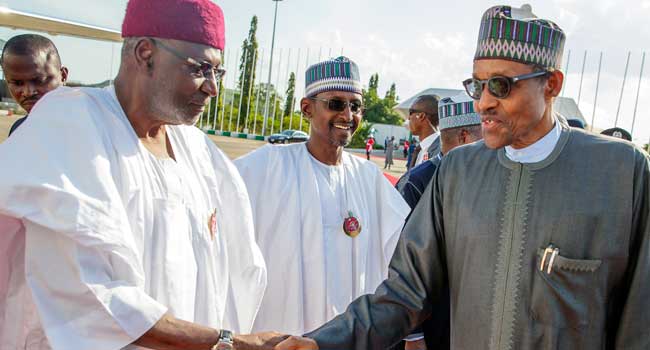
[(289, 136)]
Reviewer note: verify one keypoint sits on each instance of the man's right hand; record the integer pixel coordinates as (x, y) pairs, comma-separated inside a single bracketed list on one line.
[(258, 341), (419, 344), (297, 343)]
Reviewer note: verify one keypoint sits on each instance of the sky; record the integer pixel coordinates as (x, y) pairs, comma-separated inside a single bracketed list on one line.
[(416, 44)]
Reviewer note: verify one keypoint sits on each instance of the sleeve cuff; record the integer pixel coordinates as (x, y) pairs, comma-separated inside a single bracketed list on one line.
[(414, 337)]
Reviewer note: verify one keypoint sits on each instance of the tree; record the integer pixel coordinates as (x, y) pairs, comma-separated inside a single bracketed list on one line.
[(391, 95), (380, 110), (361, 135), (247, 66), (291, 89), (373, 85)]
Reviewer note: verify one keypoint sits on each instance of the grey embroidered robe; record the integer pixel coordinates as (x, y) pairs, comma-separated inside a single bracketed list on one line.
[(479, 232)]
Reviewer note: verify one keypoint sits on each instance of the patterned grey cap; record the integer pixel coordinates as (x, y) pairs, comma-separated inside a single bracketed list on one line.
[(457, 111)]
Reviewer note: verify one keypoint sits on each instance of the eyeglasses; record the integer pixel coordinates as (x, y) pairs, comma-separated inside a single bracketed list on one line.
[(338, 105), (199, 69), (498, 86)]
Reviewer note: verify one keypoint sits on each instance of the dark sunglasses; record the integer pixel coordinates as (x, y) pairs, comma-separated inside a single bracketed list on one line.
[(199, 69), (338, 105), (413, 111), (498, 86)]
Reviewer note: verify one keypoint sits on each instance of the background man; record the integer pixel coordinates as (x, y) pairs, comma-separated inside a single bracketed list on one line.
[(390, 152), (326, 221), (369, 143), (619, 133), (423, 122), (459, 125), (32, 67)]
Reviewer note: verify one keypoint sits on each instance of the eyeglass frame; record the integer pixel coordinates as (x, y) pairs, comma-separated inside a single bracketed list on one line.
[(346, 104), (511, 81), (218, 72)]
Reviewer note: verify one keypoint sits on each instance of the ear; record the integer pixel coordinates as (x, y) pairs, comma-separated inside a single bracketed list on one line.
[(554, 84), (64, 75), (143, 53), (306, 107), (463, 136)]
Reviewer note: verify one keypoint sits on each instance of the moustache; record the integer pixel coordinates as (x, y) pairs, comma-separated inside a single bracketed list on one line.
[(31, 100)]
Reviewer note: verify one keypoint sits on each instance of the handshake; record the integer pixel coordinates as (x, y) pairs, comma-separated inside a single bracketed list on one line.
[(272, 341)]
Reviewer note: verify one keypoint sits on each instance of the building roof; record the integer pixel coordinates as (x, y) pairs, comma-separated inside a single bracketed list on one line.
[(15, 19)]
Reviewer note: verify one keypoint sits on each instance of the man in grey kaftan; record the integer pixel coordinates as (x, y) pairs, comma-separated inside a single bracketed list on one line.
[(489, 235), (531, 258)]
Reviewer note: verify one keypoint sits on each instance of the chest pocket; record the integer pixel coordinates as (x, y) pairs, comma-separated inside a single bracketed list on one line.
[(572, 295)]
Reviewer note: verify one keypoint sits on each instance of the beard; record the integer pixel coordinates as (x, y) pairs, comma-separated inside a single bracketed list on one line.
[(338, 140), (164, 106)]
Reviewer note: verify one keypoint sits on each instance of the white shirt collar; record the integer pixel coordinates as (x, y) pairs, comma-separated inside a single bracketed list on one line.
[(428, 141), (539, 150)]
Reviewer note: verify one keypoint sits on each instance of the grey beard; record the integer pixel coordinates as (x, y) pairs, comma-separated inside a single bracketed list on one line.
[(163, 107), (339, 143)]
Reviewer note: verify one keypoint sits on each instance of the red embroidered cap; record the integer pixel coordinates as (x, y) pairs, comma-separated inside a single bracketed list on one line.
[(197, 21)]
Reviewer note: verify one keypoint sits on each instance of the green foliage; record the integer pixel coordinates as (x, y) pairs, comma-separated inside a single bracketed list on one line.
[(380, 110), (226, 106), (287, 123), (252, 121), (391, 95), (291, 90), (361, 135), (373, 85), (247, 65)]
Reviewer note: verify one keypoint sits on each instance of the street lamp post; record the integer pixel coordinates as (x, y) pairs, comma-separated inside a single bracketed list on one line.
[(268, 84)]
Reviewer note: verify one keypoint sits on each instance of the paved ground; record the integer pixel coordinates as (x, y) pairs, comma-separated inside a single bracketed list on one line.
[(5, 125), (235, 148)]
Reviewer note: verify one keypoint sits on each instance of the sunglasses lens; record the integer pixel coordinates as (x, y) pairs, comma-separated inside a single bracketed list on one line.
[(499, 87), (336, 105), (473, 88), (355, 106)]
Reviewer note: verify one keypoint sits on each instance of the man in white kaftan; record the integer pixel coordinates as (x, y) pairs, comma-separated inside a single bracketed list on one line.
[(303, 194), (116, 236), (121, 224)]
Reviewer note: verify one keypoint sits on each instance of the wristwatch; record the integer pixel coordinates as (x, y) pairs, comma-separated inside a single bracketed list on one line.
[(225, 341)]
